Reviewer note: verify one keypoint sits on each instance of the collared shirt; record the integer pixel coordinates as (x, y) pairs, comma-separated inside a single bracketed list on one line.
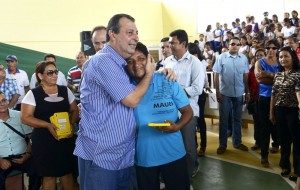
[(10, 142), (74, 78), (190, 75), (9, 87), (61, 80), (285, 87), (231, 71), (21, 79), (107, 128), (8, 71)]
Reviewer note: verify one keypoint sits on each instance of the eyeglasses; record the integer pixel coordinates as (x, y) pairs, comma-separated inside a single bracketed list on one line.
[(234, 44), (273, 48), (51, 72)]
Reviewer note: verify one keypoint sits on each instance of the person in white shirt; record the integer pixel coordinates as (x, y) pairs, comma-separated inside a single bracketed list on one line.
[(218, 43), (190, 75), (236, 30), (287, 30), (61, 80), (201, 42), (13, 72), (209, 36), (166, 51)]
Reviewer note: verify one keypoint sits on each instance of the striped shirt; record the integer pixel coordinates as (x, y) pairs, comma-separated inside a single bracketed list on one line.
[(74, 78), (107, 128)]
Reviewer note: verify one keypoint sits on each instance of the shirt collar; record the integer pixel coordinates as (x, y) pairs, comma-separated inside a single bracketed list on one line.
[(229, 55), (10, 72), (115, 55), (185, 56), (10, 116)]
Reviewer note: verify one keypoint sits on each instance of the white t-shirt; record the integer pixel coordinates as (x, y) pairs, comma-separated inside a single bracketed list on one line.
[(61, 80), (29, 97), (217, 33), (201, 45), (209, 36), (246, 47), (288, 31)]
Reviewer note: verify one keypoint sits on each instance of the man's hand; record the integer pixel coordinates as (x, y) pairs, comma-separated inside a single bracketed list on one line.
[(4, 164), (169, 74), (247, 98), (22, 159), (219, 97)]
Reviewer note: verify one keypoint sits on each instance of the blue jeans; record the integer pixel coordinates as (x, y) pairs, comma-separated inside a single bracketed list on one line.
[(93, 177), (234, 104)]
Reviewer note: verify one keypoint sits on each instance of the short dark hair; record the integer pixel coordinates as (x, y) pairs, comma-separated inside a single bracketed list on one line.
[(295, 60), (97, 28), (235, 38), (165, 39), (114, 24), (181, 36), (260, 49), (274, 42), (286, 20), (49, 55), (207, 44), (142, 48)]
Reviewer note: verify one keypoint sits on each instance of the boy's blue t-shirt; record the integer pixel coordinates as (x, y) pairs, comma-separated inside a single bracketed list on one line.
[(161, 102)]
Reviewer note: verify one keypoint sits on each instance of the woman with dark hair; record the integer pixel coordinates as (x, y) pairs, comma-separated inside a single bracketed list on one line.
[(209, 37), (53, 157), (159, 149), (284, 109), (265, 70)]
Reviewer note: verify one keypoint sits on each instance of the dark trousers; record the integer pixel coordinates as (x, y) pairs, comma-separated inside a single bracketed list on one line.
[(34, 179), (175, 176), (267, 128), (257, 123), (287, 123), (201, 120)]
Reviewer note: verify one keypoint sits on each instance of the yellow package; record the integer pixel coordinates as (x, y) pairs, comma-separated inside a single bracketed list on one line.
[(61, 120)]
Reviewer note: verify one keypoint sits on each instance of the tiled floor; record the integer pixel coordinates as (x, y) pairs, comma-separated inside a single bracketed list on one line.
[(237, 169)]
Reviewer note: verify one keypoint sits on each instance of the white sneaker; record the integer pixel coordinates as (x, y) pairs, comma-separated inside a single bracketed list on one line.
[(162, 186)]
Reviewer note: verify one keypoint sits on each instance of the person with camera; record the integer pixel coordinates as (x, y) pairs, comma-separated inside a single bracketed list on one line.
[(15, 150)]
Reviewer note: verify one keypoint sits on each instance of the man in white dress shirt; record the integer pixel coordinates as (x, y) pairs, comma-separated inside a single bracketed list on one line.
[(190, 75)]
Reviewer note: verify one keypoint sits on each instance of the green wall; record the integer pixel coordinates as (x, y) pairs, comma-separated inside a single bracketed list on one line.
[(29, 58)]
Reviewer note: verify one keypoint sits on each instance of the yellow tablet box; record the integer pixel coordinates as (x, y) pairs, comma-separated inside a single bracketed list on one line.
[(61, 120)]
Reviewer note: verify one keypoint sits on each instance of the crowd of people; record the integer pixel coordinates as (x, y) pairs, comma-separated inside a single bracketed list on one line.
[(114, 95)]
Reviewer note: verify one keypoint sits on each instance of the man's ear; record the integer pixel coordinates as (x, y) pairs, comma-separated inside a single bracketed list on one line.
[(111, 34)]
